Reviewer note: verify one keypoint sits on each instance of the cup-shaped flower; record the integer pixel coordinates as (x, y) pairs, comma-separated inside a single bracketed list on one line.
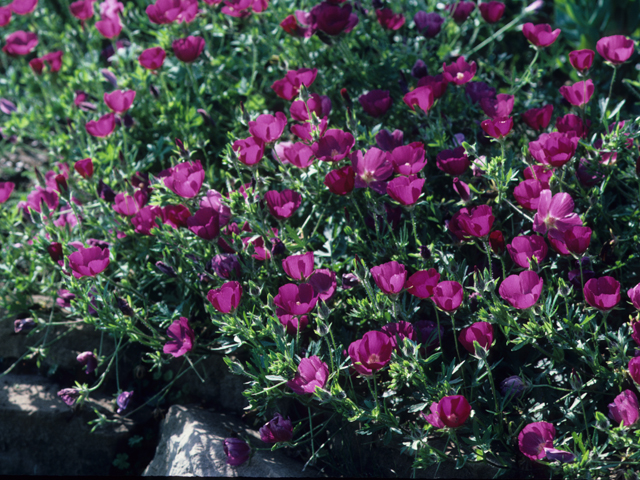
[(333, 19), (523, 248), (226, 265), (481, 332), (250, 150), (454, 162), (268, 128), (512, 386), (422, 283), (120, 101), (20, 43), (398, 331), (572, 126), (389, 277), (634, 366), (405, 190), (371, 353), (500, 106), (527, 194), (421, 97), (581, 60), (40, 195), (296, 299), (371, 169), (615, 49), (428, 24), (226, 298), (634, 296), (297, 154), (387, 141), (577, 239), (182, 338), (540, 173), (477, 222), (461, 10), (283, 204), (6, 189), (324, 283), (538, 118), (5, 16), (83, 167), (534, 438), (103, 127), (555, 213), (334, 146), (434, 417), (205, 223), (277, 430), (109, 26), (376, 102), (448, 295), (554, 148), (237, 451), (462, 189), (188, 49), (492, 11), (602, 293), (498, 127), (289, 86), (523, 290), (55, 251), (312, 372), (579, 93), (185, 179), (89, 262), (89, 359), (408, 159), (389, 20), (299, 267), (540, 35), (23, 7), (459, 72), (152, 58), (175, 215), (168, 11), (454, 410), (145, 219), (496, 240), (318, 104), (624, 409), (341, 181)]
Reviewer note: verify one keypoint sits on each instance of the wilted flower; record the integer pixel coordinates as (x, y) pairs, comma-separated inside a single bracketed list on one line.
[(182, 338), (89, 359), (277, 430), (123, 401), (237, 451), (69, 395), (24, 325)]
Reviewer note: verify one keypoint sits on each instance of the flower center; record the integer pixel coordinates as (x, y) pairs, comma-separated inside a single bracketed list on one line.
[(373, 358), (334, 153), (367, 177), (460, 76)]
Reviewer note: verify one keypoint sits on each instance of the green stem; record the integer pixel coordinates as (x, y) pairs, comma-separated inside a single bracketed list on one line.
[(497, 34), (415, 231), (606, 103), (495, 395)]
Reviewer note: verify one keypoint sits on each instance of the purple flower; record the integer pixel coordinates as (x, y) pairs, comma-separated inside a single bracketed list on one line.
[(371, 352), (615, 49), (634, 363), (538, 118), (277, 430), (387, 141), (406, 190), (376, 102), (89, 262), (89, 359), (523, 290), (523, 248), (477, 222), (579, 93), (299, 267), (372, 169), (540, 35), (421, 97), (476, 91), (225, 265), (237, 451), (454, 410), (422, 283), (492, 11), (324, 283), (512, 386), (24, 325), (296, 299), (289, 86), (581, 60), (334, 146), (268, 128), (624, 408), (534, 438), (428, 24), (481, 332), (333, 19), (459, 72), (433, 418), (226, 298), (182, 338), (553, 454), (283, 204), (555, 213), (389, 277), (69, 395), (634, 296), (454, 162), (185, 179), (602, 293), (64, 298), (123, 401), (312, 372), (398, 331), (408, 159), (341, 181), (448, 295)]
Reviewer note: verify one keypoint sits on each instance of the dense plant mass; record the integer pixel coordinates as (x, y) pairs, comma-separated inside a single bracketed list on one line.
[(412, 222)]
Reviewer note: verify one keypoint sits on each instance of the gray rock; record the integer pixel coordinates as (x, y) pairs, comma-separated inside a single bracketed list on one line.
[(41, 435), (191, 444)]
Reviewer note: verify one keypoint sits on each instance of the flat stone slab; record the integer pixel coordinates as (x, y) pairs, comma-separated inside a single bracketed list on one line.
[(191, 444)]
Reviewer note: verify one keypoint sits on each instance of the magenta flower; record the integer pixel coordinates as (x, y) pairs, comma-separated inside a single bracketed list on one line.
[(496, 240), (389, 277), (125, 205), (318, 104), (534, 438), (538, 118), (182, 338), (145, 219), (571, 125), (398, 331), (437, 83), (6, 189), (188, 49), (481, 332), (454, 162), (521, 291), (405, 190), (237, 451), (372, 169), (89, 359), (476, 91), (103, 127), (540, 173), (540, 35), (624, 409), (22, 7), (462, 189), (185, 179), (119, 100), (448, 295), (282, 204), (83, 167), (41, 195), (433, 418), (89, 262), (421, 97), (616, 49), (492, 11), (341, 181), (64, 295), (387, 19), (500, 106), (152, 58), (523, 248), (461, 10), (409, 159), (459, 72), (20, 43), (312, 372), (205, 223), (602, 293), (288, 87), (581, 60), (225, 265), (277, 430), (634, 363), (109, 27), (296, 299), (555, 149), (334, 146), (226, 298), (376, 102), (498, 127), (292, 323), (387, 141), (527, 194), (454, 410), (168, 11), (175, 215), (69, 395), (579, 93), (371, 353), (333, 19), (7, 107), (250, 150), (299, 267), (5, 16), (634, 296), (324, 283), (476, 222), (268, 128), (555, 213), (422, 283), (428, 24), (55, 251), (577, 239)]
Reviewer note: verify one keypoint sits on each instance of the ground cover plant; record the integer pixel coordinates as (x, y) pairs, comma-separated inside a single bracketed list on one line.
[(408, 225)]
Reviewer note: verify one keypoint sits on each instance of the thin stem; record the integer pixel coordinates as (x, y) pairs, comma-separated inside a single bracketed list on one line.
[(527, 74), (606, 103), (438, 323), (364, 224), (495, 395), (415, 232), (496, 34), (455, 340)]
